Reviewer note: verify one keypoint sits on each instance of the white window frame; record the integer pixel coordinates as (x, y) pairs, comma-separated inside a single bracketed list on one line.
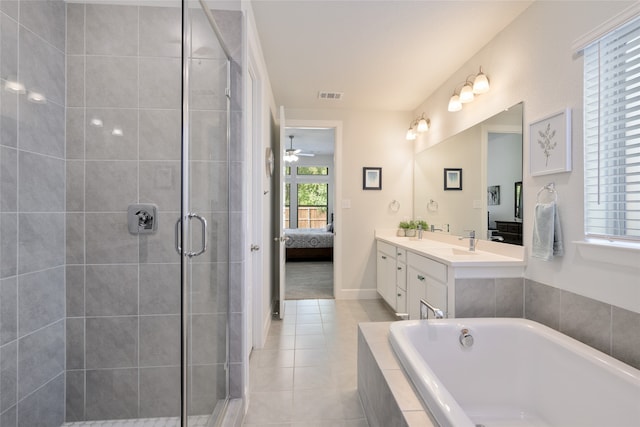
[(612, 135)]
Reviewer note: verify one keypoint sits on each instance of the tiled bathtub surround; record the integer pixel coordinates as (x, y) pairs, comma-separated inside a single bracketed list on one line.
[(600, 325), (32, 218)]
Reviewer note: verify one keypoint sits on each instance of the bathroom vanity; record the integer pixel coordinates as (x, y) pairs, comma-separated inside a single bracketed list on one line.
[(441, 269)]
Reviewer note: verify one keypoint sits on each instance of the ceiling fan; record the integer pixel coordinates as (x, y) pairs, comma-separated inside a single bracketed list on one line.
[(291, 154)]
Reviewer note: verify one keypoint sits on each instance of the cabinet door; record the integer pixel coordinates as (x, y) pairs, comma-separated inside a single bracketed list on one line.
[(401, 275), (386, 278), (436, 296), (416, 289), (401, 300), (420, 285)]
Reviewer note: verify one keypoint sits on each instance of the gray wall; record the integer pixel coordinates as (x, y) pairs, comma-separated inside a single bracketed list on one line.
[(123, 301), (602, 326), (32, 202)]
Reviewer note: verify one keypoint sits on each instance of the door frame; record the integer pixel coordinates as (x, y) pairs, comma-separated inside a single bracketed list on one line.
[(336, 125)]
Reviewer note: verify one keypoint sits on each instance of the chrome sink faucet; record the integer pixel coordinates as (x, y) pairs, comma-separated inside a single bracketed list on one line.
[(419, 231), (433, 228), (472, 240)]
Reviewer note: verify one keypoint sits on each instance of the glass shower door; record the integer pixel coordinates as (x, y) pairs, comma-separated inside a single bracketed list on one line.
[(205, 215)]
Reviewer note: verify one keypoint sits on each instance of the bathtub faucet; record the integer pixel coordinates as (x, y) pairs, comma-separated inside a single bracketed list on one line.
[(424, 310), (472, 239)]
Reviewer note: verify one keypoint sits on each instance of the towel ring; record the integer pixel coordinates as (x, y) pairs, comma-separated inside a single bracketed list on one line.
[(550, 189), (432, 206), (394, 206)]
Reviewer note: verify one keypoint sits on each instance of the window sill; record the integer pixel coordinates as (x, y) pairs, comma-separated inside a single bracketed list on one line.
[(616, 253)]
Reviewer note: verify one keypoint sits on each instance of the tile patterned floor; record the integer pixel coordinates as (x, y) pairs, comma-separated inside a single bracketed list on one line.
[(306, 374)]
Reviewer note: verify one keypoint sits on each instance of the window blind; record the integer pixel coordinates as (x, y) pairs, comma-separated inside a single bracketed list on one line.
[(612, 134)]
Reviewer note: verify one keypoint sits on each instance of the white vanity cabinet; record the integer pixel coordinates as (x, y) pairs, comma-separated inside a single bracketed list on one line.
[(426, 279), (431, 269), (391, 275)]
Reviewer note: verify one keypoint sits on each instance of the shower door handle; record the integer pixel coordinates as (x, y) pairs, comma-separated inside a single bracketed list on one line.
[(203, 221)]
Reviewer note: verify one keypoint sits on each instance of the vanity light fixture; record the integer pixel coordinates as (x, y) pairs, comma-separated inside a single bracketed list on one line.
[(419, 125), (475, 84), (466, 93), (454, 103), (480, 83)]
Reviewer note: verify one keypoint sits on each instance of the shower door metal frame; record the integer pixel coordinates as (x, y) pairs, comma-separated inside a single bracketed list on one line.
[(183, 226)]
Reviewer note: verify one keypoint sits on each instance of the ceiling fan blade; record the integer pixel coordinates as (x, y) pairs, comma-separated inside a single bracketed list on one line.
[(305, 154)]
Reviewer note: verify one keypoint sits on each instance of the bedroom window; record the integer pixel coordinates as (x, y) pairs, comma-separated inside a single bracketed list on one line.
[(312, 170), (313, 204), (612, 134)]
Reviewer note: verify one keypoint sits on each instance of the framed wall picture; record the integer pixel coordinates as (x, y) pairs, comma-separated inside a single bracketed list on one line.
[(371, 178), (452, 179), (493, 195), (550, 144)]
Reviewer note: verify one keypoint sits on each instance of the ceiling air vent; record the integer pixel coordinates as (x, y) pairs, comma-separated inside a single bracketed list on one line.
[(332, 96)]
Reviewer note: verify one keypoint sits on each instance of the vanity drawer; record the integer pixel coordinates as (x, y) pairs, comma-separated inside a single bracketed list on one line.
[(401, 255), (434, 269), (387, 249)]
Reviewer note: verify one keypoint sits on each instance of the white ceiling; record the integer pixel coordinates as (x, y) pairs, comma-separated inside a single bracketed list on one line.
[(383, 54)]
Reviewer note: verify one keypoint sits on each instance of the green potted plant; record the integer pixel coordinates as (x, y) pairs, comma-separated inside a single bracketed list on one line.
[(422, 224), (411, 230), (402, 228)]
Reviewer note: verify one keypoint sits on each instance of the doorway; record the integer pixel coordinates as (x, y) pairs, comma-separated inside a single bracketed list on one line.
[(308, 212)]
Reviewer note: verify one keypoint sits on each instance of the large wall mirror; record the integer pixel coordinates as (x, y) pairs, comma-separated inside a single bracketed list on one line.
[(489, 156)]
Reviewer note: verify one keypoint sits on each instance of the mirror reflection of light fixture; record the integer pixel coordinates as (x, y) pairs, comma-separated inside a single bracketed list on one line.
[(96, 122), (117, 131), (36, 97), (14, 86), (419, 125), (475, 84)]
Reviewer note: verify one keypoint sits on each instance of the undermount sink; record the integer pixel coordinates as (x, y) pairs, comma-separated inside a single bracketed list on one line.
[(454, 251)]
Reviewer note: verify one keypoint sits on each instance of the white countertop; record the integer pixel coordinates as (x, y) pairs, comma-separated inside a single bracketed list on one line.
[(449, 250)]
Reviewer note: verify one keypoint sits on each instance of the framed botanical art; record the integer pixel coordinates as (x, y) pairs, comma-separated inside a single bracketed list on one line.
[(550, 144), (371, 178)]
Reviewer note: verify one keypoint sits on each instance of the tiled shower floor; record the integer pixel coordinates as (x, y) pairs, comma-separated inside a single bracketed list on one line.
[(199, 421)]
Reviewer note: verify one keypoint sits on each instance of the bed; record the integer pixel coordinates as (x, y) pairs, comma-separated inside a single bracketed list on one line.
[(308, 244)]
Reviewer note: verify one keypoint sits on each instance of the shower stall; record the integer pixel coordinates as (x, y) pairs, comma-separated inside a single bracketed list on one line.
[(118, 132)]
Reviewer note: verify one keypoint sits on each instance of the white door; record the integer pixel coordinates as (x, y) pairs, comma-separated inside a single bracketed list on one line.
[(281, 237)]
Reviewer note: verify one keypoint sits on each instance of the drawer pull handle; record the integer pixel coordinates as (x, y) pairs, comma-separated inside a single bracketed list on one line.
[(384, 257), (399, 268), (399, 253), (421, 278)]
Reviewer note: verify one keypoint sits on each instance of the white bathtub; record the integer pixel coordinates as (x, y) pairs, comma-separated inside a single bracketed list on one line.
[(516, 373)]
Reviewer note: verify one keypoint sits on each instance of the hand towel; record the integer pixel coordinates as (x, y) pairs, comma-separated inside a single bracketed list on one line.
[(547, 234)]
